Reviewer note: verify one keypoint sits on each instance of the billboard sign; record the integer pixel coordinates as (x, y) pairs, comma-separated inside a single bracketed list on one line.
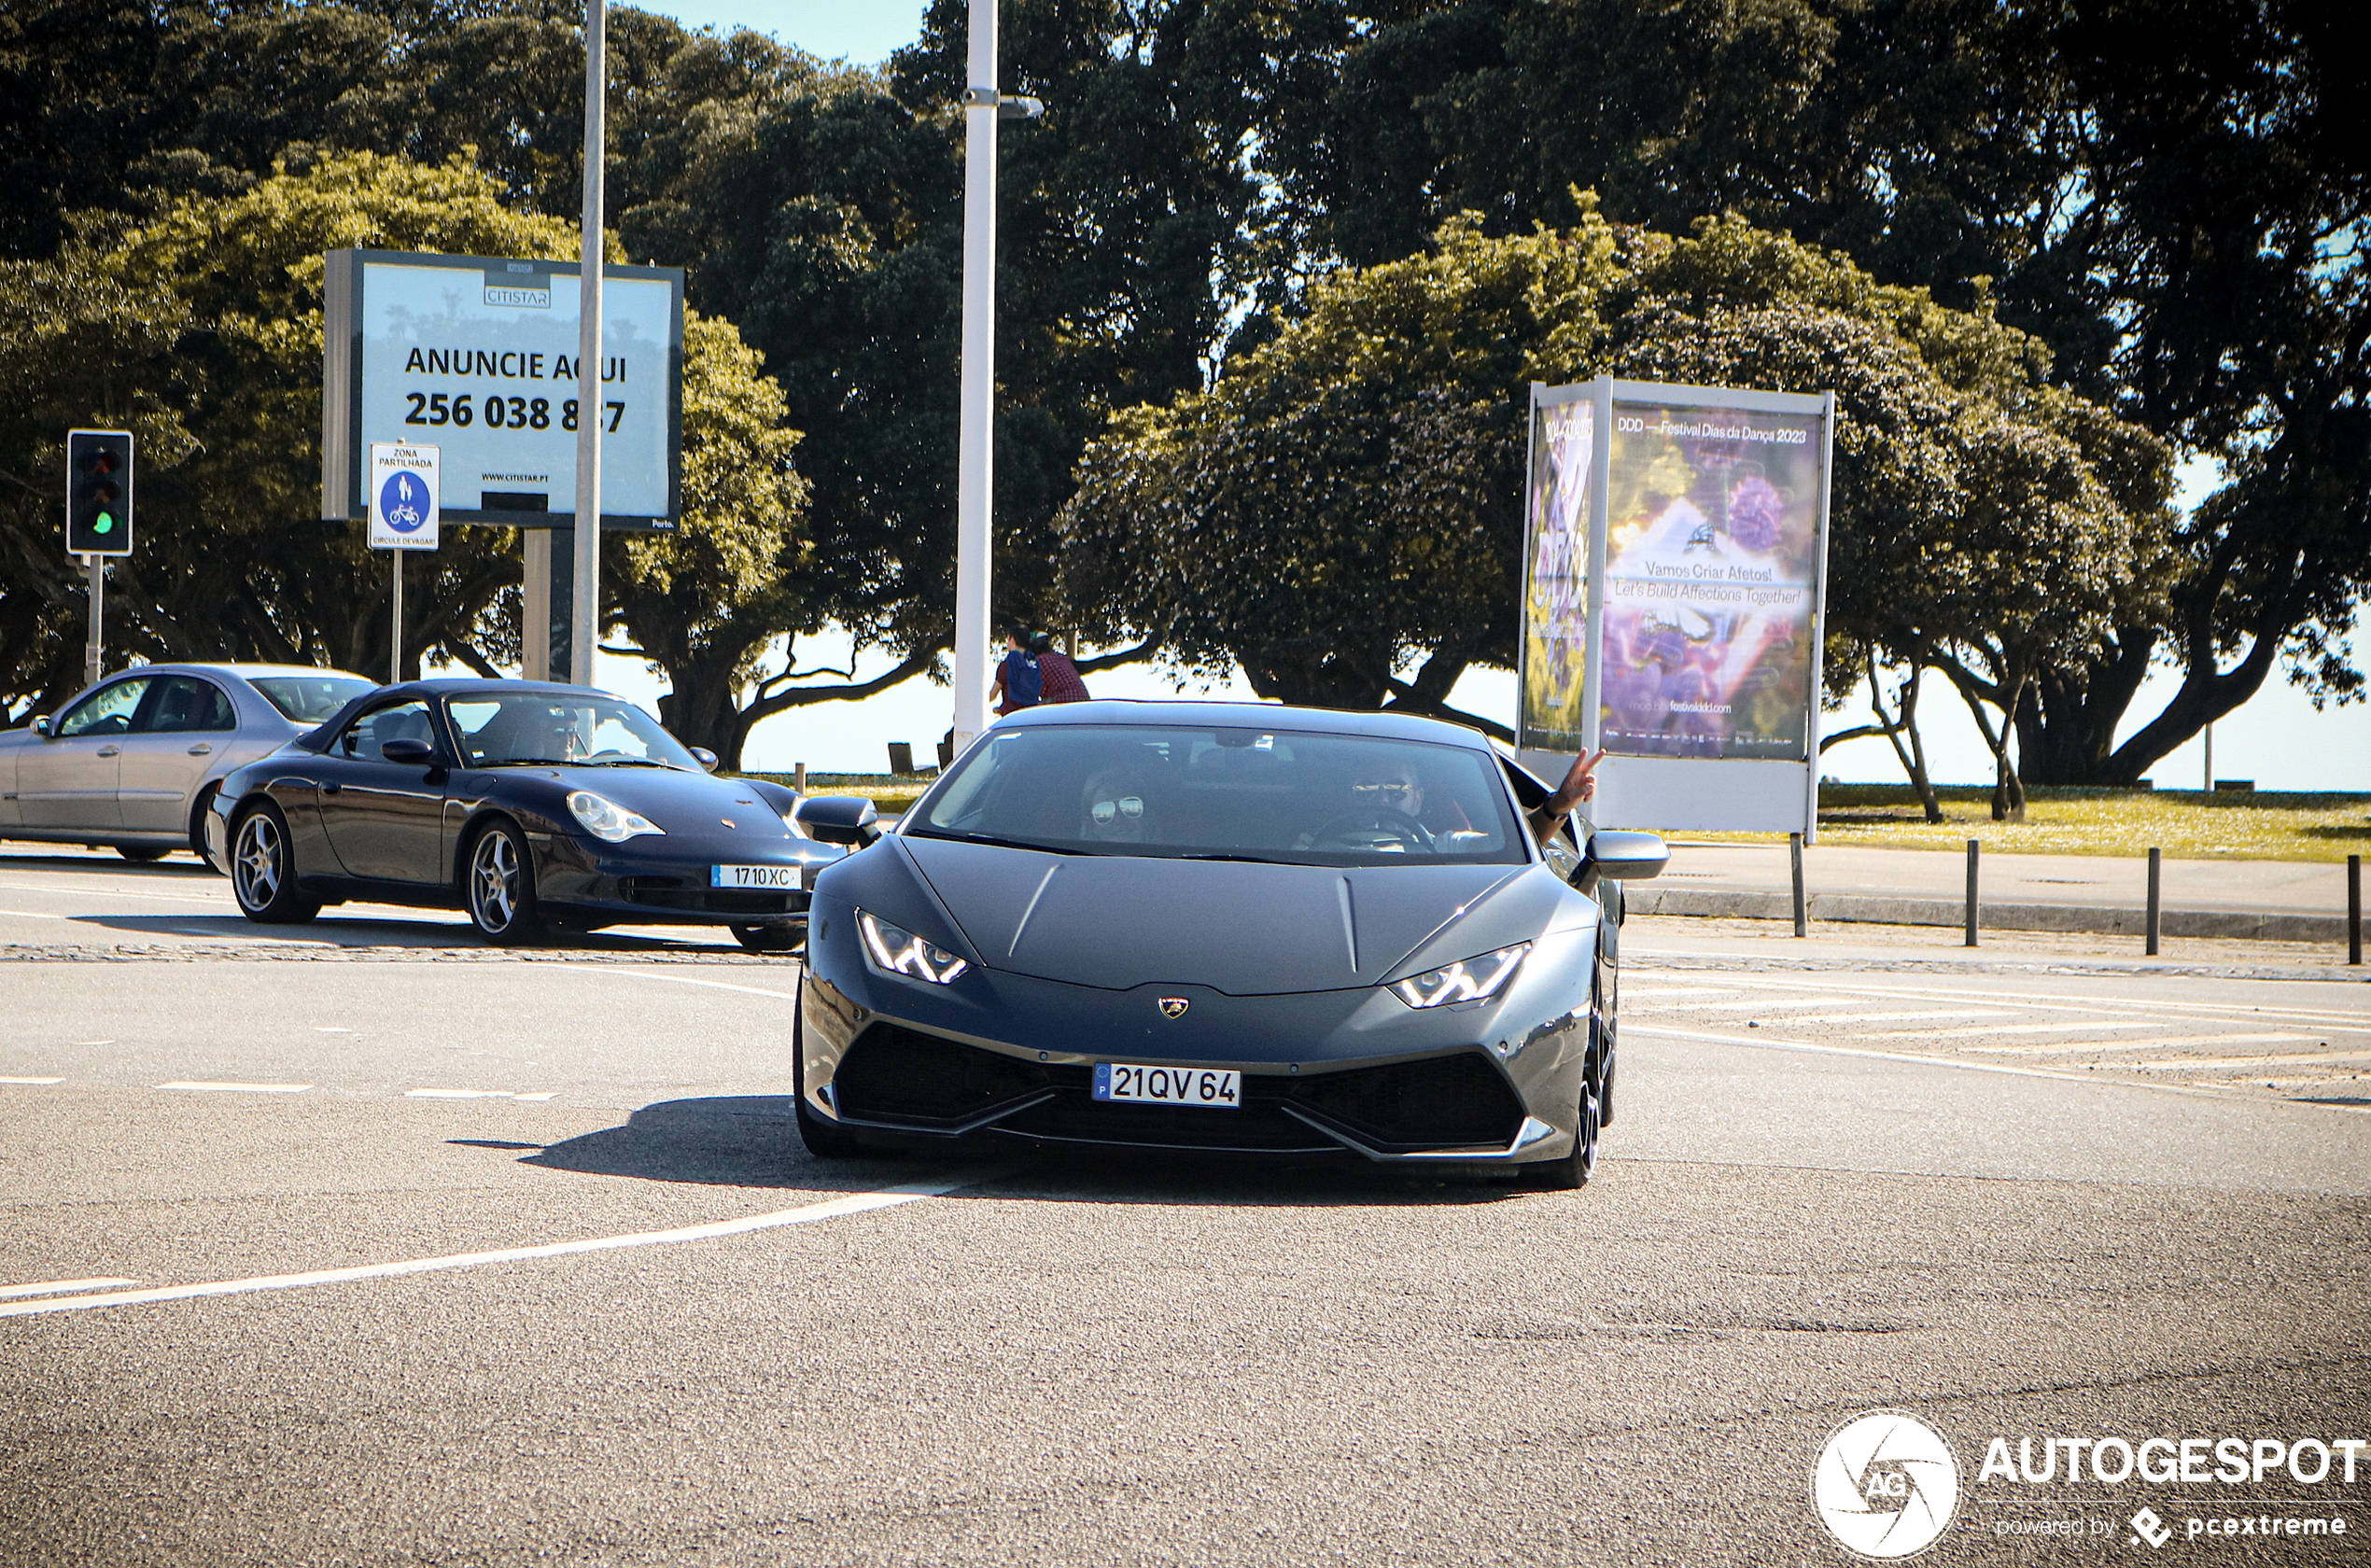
[(1706, 512), (479, 354)]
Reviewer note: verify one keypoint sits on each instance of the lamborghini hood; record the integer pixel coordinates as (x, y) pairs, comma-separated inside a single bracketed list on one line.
[(1244, 929)]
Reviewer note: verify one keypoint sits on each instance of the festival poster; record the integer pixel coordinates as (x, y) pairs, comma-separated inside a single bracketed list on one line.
[(1712, 562), (1556, 575)]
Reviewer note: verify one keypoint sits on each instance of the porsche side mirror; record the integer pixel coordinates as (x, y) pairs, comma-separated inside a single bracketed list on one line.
[(411, 751), (849, 820), (706, 758), (1627, 857), (41, 726)]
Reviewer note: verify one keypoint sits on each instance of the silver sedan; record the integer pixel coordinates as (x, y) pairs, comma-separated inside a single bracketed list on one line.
[(134, 761)]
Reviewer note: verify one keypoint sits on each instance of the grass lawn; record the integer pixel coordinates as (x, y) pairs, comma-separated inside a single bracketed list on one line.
[(2186, 824), (890, 793)]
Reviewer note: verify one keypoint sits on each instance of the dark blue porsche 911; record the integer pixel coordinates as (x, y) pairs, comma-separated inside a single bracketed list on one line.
[(1258, 929), (521, 802)]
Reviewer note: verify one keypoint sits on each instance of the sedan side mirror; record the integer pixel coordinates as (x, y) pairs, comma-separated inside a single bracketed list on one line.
[(705, 757), (1627, 857), (849, 820), (41, 726), (411, 751)]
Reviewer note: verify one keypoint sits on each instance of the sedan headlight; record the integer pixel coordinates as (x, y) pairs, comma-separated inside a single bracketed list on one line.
[(901, 952), (1466, 980), (608, 820)]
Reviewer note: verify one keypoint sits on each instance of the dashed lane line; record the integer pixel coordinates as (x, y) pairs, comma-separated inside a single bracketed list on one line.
[(31, 1080), (2004, 1029), (1897, 1017), (237, 1088), (476, 1094), (687, 980), (832, 1209), (57, 1286)]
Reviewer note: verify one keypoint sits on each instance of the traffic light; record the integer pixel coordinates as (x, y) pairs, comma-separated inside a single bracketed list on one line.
[(98, 492)]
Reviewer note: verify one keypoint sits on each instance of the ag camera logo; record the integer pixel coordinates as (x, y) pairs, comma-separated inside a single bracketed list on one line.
[(1885, 1485)]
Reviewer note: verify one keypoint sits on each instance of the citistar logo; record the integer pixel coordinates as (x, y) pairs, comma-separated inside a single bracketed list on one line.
[(1885, 1485)]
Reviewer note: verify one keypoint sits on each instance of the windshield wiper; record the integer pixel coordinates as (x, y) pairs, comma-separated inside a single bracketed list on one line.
[(1247, 860), (634, 762), (528, 762), (994, 839)]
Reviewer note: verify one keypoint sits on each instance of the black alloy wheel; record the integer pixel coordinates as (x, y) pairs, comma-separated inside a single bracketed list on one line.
[(141, 854), (1574, 1169), (263, 869), (499, 886), (771, 939), (823, 1139)]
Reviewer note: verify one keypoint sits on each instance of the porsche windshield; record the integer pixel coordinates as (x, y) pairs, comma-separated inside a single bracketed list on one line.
[(581, 731), (1292, 797)]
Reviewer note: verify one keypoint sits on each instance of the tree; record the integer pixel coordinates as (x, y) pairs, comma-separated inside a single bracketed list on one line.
[(1346, 499), (210, 319)]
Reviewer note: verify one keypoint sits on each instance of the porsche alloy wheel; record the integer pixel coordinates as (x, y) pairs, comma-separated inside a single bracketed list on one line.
[(502, 886), (264, 871)]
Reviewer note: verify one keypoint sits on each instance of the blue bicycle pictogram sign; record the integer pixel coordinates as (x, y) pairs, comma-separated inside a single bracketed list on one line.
[(403, 502)]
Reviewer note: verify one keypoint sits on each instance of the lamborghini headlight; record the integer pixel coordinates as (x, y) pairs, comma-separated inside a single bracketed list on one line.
[(606, 819), (901, 952), (1466, 980)]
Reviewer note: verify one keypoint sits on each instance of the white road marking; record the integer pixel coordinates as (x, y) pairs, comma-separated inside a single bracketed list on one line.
[(239, 1088), (33, 915), (687, 980), (31, 1080), (329, 1028), (2151, 1042), (832, 1209), (115, 892), (94, 1043), (1958, 1066), (2007, 1029), (2196, 1064), (1762, 1005), (538, 1098), (1680, 990), (474, 1094), (58, 1286), (1894, 1018)]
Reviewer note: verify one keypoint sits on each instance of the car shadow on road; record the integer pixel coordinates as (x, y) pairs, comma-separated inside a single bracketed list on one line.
[(753, 1140), (393, 931)]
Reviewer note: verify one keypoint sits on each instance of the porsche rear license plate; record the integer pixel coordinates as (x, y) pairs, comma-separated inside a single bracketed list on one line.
[(753, 876), (1169, 1085)]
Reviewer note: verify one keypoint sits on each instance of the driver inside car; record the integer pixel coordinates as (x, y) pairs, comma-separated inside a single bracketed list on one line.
[(1383, 805)]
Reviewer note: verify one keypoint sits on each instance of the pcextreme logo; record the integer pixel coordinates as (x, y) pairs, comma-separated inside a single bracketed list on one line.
[(1885, 1485)]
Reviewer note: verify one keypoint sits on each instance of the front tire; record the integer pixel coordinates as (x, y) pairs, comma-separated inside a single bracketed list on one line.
[(197, 826), (1574, 1170), (500, 886), (263, 869)]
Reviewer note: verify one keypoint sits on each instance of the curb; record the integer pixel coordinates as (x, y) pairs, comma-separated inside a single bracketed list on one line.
[(1997, 916)]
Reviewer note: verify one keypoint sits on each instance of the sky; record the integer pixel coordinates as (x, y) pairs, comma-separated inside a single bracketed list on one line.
[(2278, 740)]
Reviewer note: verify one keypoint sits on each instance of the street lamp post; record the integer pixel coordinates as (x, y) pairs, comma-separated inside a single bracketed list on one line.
[(975, 462), (584, 610)]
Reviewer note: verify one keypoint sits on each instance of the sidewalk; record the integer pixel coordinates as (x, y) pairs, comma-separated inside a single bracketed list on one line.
[(2287, 900)]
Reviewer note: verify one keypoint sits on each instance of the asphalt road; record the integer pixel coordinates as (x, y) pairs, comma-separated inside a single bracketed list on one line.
[(394, 1249)]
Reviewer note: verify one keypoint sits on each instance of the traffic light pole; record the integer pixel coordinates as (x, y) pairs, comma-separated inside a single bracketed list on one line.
[(92, 661), (975, 483)]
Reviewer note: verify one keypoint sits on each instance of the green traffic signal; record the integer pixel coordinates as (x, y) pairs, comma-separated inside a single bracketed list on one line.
[(104, 523)]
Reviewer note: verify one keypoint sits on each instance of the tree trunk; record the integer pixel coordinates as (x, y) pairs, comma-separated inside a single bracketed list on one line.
[(1905, 721), (704, 710), (1318, 677)]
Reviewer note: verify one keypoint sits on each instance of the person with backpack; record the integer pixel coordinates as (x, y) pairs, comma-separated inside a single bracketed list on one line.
[(1020, 679)]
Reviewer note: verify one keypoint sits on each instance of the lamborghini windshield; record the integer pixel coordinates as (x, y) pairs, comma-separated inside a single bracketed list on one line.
[(1244, 794)]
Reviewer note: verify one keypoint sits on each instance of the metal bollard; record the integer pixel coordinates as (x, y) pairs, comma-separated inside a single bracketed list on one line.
[(798, 779), (1794, 851), (2354, 909), (1973, 845), (2154, 901)]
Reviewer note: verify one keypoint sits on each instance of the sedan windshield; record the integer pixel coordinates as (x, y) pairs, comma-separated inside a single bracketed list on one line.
[(513, 727), (1227, 794), (309, 699)]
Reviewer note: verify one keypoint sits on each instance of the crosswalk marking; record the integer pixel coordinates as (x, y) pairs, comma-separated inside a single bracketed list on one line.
[(2152, 1042), (1897, 1017), (1765, 1004), (2194, 1064), (2012, 1028), (239, 1088)]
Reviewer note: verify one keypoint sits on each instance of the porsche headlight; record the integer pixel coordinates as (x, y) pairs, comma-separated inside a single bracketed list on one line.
[(1466, 980), (901, 952), (606, 819)]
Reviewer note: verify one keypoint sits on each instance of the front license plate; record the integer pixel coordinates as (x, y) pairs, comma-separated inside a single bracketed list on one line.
[(1170, 1085), (753, 876)]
